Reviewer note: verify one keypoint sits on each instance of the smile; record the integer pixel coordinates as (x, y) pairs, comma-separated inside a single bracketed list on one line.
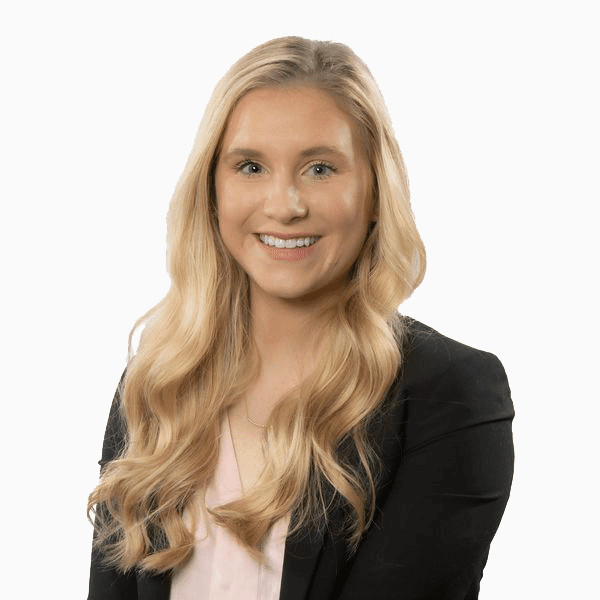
[(275, 242)]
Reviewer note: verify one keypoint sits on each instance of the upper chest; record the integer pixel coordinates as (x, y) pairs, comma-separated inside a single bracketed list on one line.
[(246, 436), (248, 448)]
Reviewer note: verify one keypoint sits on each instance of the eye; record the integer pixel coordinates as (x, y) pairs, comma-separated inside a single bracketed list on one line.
[(322, 169), (248, 167)]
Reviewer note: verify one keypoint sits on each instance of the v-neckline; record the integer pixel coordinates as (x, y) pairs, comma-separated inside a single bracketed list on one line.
[(231, 451), (226, 485)]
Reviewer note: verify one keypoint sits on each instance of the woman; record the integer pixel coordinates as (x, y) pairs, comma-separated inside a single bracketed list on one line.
[(282, 432)]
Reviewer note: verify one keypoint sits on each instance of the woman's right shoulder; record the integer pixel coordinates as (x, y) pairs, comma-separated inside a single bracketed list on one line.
[(116, 428)]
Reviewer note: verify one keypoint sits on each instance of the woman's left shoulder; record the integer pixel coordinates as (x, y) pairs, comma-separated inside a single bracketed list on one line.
[(450, 382)]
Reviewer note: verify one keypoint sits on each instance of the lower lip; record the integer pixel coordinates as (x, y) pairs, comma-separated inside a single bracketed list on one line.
[(288, 253)]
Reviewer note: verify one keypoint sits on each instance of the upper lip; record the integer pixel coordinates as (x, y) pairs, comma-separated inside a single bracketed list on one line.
[(287, 236)]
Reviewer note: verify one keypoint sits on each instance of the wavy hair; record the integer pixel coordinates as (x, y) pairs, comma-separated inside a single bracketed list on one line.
[(196, 356)]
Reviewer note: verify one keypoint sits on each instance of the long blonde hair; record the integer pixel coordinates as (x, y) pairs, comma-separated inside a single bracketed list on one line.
[(195, 357)]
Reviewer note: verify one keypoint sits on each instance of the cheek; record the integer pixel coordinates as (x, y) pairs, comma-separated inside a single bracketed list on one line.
[(229, 208), (234, 197), (351, 208)]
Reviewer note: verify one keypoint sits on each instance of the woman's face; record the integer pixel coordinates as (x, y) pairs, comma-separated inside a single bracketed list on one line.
[(293, 191)]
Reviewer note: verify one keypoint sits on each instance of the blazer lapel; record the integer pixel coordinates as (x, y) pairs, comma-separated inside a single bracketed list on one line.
[(299, 563), (313, 565), (153, 587)]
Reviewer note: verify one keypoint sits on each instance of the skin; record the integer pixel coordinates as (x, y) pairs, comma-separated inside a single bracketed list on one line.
[(279, 189)]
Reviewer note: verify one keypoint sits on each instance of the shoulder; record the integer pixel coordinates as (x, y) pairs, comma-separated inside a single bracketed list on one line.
[(430, 358), (448, 385), (116, 428)]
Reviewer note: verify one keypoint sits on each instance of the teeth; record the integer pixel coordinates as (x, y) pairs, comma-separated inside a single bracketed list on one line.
[(269, 240)]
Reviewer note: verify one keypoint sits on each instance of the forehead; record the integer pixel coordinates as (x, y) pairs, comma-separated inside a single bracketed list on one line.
[(294, 116)]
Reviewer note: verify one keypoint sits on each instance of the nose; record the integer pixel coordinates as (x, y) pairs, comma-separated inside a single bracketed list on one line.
[(283, 201)]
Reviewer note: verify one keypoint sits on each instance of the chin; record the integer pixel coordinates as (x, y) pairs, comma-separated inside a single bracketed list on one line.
[(282, 291), (287, 294)]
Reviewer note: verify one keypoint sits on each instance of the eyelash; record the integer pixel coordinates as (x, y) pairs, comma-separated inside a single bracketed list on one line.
[(320, 163)]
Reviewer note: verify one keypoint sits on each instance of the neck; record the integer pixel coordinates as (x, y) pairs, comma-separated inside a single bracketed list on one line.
[(286, 333)]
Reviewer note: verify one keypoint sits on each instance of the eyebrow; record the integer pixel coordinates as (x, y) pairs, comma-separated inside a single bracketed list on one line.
[(313, 151)]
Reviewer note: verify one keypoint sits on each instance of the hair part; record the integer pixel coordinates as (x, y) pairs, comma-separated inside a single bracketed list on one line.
[(196, 357)]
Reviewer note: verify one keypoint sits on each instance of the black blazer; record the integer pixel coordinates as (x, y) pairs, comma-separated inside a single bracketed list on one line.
[(447, 449)]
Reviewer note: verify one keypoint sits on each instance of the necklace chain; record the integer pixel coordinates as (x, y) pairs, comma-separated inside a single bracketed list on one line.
[(248, 416)]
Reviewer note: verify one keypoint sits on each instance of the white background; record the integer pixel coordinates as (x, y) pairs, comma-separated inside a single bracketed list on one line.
[(495, 106)]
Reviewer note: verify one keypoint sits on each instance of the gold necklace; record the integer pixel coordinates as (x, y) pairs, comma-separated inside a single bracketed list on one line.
[(248, 416)]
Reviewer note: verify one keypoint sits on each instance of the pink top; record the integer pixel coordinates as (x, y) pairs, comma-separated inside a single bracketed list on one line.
[(220, 569)]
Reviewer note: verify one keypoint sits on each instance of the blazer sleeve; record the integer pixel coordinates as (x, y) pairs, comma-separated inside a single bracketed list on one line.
[(107, 583), (451, 485)]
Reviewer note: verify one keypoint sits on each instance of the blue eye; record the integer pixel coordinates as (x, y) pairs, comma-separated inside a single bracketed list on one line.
[(322, 169), (254, 168)]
